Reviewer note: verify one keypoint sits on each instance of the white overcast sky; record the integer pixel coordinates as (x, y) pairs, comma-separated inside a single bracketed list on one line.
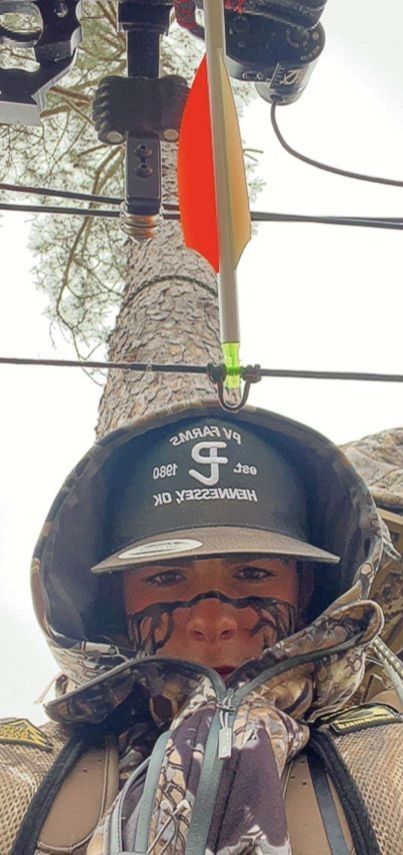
[(315, 297)]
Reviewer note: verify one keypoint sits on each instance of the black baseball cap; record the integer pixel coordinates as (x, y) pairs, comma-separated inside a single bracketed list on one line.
[(208, 486)]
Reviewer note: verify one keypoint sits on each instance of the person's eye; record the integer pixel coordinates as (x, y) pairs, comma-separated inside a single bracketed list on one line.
[(169, 577), (253, 574)]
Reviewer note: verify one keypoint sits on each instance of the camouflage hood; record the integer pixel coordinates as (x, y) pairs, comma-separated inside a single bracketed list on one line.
[(82, 614)]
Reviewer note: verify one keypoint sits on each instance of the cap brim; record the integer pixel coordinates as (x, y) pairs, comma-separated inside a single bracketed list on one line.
[(203, 542)]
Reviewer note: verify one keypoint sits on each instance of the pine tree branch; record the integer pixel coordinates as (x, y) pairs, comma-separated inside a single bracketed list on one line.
[(98, 183), (83, 235), (89, 150), (77, 110), (66, 274), (54, 111), (75, 94), (101, 57)]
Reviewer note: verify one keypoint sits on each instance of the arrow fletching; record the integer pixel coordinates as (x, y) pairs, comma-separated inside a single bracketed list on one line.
[(196, 188), (196, 185), (213, 195)]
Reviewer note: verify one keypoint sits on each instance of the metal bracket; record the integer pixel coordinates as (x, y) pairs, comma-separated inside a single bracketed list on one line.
[(217, 374), (144, 24), (55, 43)]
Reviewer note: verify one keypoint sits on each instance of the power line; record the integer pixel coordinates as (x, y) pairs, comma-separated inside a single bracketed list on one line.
[(143, 367), (50, 209), (392, 182), (172, 213), (166, 368), (171, 209), (363, 222), (60, 194)]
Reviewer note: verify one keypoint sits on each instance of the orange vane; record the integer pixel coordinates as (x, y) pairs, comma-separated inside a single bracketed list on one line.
[(196, 173), (196, 182)]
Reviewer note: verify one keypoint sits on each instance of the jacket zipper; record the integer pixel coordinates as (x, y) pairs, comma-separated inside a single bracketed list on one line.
[(210, 778), (226, 717), (218, 749)]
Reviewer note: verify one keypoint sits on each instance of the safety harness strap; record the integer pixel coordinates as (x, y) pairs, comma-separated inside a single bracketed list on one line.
[(327, 807), (362, 752)]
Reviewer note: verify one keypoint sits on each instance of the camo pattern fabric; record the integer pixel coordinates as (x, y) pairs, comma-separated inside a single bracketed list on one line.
[(23, 769), (84, 661), (168, 686), (379, 460), (271, 727), (272, 723), (390, 596), (249, 783), (373, 757)]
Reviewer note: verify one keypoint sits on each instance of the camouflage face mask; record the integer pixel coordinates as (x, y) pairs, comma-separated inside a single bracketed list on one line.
[(150, 630)]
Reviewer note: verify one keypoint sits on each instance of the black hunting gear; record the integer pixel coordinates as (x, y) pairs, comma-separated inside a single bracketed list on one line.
[(288, 752)]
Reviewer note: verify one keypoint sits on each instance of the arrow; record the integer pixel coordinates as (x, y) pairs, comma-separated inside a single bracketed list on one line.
[(213, 195)]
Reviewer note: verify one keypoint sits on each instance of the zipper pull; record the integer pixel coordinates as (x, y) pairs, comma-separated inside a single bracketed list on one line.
[(225, 733), (224, 737)]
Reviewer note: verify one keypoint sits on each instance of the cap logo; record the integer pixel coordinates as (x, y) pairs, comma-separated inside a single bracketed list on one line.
[(212, 459), (161, 547)]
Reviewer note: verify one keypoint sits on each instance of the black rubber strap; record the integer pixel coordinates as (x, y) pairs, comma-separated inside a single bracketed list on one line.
[(327, 807), (26, 841)]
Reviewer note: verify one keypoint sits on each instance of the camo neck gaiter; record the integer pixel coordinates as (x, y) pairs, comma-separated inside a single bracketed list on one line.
[(150, 630)]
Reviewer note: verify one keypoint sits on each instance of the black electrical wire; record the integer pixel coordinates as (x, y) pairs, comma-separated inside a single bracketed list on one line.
[(121, 366), (332, 375), (60, 209), (364, 222), (60, 194), (171, 213), (317, 163), (394, 223), (171, 210), (147, 367)]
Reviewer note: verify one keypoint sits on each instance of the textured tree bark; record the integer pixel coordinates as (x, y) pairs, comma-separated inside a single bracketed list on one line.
[(169, 314)]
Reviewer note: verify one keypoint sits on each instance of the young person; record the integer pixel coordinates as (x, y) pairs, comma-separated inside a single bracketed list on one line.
[(203, 582)]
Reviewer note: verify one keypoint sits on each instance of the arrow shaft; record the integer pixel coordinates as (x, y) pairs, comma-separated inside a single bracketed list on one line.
[(227, 286)]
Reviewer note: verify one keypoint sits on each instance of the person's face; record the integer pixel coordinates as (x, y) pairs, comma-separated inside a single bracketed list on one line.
[(218, 612)]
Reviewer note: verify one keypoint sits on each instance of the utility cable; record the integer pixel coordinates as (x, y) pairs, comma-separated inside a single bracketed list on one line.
[(60, 209), (171, 210), (165, 368), (60, 194), (363, 222), (394, 223), (392, 182)]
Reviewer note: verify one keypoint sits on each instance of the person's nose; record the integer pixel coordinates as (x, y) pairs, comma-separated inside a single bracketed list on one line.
[(212, 621)]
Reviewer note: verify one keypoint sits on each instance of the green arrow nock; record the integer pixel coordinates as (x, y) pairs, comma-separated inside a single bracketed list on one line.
[(231, 361)]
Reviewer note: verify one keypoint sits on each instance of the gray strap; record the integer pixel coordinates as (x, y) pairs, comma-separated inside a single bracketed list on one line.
[(113, 828), (147, 799), (209, 783)]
